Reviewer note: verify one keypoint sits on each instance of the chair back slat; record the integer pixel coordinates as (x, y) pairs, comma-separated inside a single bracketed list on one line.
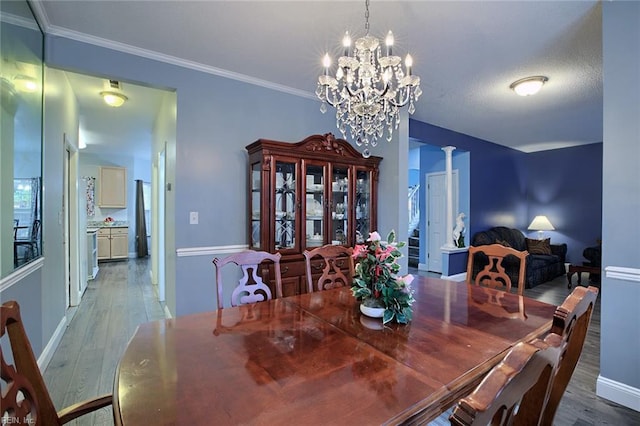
[(494, 274), (24, 396), (569, 331), (335, 258), (514, 391), (250, 288)]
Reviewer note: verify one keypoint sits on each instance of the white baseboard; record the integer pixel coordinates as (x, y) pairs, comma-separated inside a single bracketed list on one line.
[(45, 357), (167, 312), (423, 267), (618, 392)]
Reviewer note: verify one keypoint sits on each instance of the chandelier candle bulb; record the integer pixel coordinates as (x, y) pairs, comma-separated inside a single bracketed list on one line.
[(346, 43), (389, 43), (408, 62)]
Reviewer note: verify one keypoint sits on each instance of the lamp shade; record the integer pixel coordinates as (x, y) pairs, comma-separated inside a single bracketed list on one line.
[(541, 223)]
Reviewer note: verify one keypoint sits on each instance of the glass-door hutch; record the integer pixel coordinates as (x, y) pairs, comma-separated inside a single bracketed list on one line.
[(307, 194)]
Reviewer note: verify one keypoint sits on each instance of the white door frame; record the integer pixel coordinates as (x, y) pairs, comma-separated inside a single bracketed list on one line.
[(74, 282)]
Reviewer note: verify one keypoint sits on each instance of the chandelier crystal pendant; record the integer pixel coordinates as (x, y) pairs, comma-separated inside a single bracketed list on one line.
[(368, 89)]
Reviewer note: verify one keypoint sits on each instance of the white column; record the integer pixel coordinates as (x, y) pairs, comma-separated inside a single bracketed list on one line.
[(449, 178)]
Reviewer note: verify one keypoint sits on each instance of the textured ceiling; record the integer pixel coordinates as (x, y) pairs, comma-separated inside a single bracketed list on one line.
[(466, 53)]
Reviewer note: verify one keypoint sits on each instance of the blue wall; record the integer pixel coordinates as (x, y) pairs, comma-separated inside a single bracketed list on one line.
[(566, 186), (509, 187), (497, 192)]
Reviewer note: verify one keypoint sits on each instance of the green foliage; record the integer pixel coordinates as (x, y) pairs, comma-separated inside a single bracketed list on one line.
[(376, 278)]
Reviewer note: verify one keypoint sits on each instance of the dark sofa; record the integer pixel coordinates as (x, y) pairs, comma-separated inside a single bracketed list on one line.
[(540, 267)]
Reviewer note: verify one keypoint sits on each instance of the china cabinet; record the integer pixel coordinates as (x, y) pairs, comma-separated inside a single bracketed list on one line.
[(307, 194)]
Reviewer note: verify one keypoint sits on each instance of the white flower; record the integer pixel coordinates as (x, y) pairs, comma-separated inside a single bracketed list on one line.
[(374, 236)]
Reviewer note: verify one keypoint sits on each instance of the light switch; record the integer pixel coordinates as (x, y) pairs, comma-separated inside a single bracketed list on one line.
[(193, 218)]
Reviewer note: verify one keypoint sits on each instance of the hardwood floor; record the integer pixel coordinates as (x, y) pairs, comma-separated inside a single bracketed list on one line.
[(122, 297), (113, 305)]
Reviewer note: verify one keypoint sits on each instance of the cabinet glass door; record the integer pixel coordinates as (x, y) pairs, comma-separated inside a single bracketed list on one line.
[(340, 207), (256, 198), (363, 205), (285, 205), (314, 205)]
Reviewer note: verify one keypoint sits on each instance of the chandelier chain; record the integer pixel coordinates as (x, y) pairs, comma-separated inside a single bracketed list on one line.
[(366, 16)]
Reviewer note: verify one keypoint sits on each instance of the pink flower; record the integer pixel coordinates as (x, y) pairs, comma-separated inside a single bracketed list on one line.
[(374, 236), (382, 255), (360, 250)]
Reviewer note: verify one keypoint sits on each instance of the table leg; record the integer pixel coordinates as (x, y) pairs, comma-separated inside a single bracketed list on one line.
[(569, 275)]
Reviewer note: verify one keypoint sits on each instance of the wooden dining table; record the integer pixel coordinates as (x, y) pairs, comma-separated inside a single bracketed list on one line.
[(315, 359)]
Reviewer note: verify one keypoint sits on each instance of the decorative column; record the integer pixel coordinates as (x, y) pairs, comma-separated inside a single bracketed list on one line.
[(449, 177)]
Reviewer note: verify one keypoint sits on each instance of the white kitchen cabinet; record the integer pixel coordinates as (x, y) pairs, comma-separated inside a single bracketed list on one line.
[(113, 243), (112, 187)]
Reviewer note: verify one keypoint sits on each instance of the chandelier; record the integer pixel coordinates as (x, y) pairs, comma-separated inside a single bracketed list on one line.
[(368, 89)]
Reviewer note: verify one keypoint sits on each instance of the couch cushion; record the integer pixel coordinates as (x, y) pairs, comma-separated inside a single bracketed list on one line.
[(539, 246)]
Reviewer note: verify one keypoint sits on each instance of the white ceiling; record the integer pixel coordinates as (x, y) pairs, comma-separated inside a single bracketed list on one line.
[(467, 53)]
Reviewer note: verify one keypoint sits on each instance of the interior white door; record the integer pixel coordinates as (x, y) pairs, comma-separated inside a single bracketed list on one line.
[(436, 221)]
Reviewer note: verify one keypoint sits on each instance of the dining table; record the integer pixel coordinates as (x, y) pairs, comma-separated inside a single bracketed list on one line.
[(315, 359)]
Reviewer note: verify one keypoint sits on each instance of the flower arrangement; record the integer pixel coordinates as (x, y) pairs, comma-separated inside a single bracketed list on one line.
[(376, 282)]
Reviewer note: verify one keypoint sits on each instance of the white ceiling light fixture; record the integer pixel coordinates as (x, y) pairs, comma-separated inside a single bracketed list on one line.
[(113, 99), (369, 87), (528, 86)]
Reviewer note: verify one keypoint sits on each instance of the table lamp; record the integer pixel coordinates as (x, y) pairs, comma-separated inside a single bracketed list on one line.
[(541, 224)]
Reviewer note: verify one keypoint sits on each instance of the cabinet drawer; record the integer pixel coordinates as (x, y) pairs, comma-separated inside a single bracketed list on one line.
[(119, 231), (104, 232)]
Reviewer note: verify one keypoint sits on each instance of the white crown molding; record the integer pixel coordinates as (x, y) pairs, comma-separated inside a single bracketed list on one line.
[(53, 30)]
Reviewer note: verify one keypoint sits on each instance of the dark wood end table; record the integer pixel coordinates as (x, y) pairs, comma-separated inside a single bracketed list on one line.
[(579, 269)]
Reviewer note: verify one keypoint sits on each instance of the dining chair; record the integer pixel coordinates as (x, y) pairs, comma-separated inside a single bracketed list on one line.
[(250, 287), (31, 243), (514, 391), (493, 274), (568, 331), (25, 399), (334, 259)]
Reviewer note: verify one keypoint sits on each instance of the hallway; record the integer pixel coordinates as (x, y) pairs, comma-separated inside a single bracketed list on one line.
[(84, 364)]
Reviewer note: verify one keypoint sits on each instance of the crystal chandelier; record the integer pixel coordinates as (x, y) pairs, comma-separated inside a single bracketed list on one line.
[(368, 89)]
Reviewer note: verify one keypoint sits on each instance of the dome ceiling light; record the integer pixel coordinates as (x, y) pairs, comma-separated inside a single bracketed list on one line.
[(113, 99), (528, 86)]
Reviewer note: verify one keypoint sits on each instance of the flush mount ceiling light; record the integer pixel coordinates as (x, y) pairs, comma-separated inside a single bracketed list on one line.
[(528, 86), (113, 99), (368, 89)]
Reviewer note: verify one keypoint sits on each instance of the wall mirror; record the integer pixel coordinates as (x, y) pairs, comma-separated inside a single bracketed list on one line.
[(21, 94)]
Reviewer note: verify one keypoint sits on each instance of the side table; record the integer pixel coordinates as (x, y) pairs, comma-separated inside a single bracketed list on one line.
[(573, 269)]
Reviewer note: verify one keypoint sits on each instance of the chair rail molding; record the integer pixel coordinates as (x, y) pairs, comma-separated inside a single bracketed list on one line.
[(213, 250), (623, 273)]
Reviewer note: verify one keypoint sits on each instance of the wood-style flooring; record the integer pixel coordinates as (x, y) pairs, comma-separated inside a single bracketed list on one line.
[(122, 297)]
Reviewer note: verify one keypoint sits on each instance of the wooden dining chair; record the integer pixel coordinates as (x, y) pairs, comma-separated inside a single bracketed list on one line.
[(250, 287), (568, 331), (514, 392), (493, 273), (334, 259), (25, 399)]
